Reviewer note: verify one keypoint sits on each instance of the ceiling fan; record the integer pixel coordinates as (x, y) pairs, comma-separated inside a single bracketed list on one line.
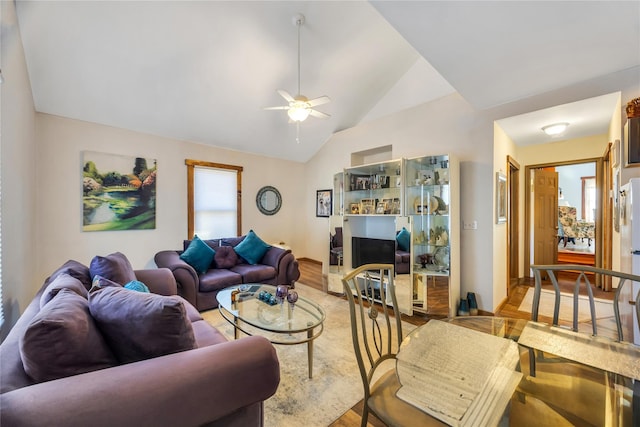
[(300, 107)]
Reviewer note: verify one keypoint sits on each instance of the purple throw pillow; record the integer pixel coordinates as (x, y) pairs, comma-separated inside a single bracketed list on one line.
[(73, 269), (63, 340), (225, 257), (115, 267), (62, 281), (140, 326)]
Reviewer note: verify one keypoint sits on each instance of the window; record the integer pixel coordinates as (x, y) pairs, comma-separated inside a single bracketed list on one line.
[(214, 194), (589, 198)]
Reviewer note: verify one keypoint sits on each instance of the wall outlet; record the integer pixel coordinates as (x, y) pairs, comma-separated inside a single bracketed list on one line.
[(471, 225)]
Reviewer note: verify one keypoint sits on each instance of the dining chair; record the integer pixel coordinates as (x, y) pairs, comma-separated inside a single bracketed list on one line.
[(376, 328), (624, 289)]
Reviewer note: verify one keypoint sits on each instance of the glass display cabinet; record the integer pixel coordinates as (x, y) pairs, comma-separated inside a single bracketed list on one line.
[(374, 189), (431, 203)]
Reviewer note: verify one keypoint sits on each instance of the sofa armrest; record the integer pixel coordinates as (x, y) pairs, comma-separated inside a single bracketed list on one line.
[(273, 256), (159, 280), (190, 388), (288, 271), (186, 277)]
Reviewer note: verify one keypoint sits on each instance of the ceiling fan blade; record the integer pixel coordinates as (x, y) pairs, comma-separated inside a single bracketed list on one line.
[(283, 93), (319, 101), (283, 107), (319, 114)]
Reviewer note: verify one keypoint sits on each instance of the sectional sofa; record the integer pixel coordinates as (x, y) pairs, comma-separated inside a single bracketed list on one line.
[(88, 351)]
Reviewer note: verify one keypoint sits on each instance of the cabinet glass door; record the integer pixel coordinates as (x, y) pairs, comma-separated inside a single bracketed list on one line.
[(427, 201)]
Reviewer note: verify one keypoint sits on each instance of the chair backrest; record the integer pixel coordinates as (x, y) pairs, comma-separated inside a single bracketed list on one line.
[(376, 326), (567, 220), (583, 272)]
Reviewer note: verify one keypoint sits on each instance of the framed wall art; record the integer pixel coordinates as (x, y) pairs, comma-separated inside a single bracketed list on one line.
[(323, 203), (118, 192), (501, 198)]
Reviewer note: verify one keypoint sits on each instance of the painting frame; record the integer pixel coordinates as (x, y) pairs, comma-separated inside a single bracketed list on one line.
[(118, 192), (324, 203), (501, 198)]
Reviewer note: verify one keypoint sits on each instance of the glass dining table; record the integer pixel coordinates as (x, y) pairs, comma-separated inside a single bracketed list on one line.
[(568, 379)]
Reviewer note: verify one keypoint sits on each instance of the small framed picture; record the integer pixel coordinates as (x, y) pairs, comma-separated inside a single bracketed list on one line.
[(323, 203), (367, 206), (381, 207), (354, 209)]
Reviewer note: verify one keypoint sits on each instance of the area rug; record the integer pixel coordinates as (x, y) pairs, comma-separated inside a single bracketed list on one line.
[(604, 308), (336, 385)]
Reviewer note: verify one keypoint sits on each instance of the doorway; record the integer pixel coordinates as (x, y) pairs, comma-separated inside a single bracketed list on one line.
[(537, 247)]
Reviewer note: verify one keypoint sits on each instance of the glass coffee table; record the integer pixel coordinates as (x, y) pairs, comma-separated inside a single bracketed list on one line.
[(282, 323)]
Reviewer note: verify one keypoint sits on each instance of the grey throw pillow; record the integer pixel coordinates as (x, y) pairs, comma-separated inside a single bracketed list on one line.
[(63, 340), (140, 326)]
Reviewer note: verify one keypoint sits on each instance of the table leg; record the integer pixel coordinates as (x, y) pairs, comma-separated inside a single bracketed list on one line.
[(236, 332), (310, 352)]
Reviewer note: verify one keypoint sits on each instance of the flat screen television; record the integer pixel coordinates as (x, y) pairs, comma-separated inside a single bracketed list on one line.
[(365, 250)]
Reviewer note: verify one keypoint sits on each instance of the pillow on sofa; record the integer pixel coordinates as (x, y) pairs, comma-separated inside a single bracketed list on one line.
[(404, 239), (73, 269), (138, 286), (225, 257), (252, 248), (140, 326), (63, 340), (102, 282), (198, 255), (115, 267), (62, 281)]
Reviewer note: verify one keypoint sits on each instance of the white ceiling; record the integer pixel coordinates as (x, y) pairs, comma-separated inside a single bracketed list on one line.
[(203, 71)]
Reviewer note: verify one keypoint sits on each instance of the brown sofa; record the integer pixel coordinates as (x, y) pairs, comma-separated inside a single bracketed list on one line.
[(277, 267), (219, 383)]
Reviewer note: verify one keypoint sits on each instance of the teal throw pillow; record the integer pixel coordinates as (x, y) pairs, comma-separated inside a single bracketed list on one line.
[(198, 255), (252, 248), (138, 286), (404, 239)]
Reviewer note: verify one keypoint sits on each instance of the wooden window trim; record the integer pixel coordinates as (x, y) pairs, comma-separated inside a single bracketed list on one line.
[(191, 165)]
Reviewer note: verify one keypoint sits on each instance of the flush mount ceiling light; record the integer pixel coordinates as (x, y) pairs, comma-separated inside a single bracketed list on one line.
[(300, 107), (555, 129)]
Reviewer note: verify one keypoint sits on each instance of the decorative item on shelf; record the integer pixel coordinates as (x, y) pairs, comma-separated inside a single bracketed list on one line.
[(441, 256), (292, 298), (442, 176), (426, 205), (442, 207), (367, 206), (426, 259), (354, 208)]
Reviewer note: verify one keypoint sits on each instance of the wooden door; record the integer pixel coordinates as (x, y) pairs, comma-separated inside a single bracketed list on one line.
[(545, 216)]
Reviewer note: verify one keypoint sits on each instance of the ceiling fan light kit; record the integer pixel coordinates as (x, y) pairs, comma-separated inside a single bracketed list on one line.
[(300, 107)]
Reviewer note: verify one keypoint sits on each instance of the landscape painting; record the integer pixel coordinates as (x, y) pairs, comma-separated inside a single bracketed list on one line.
[(118, 192)]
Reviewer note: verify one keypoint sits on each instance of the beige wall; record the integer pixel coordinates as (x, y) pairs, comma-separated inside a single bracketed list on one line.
[(61, 142), (19, 173), (503, 146)]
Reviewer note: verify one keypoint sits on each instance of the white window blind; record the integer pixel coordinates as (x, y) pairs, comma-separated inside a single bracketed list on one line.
[(215, 202)]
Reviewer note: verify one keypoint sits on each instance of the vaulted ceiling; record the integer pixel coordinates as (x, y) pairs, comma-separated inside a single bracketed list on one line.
[(203, 71)]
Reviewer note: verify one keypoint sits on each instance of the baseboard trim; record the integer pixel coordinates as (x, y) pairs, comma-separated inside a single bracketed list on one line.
[(310, 260)]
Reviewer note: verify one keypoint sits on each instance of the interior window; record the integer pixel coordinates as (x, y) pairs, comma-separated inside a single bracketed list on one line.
[(214, 199), (588, 198)]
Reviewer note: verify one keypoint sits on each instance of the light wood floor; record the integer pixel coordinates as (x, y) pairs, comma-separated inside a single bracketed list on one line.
[(311, 275)]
